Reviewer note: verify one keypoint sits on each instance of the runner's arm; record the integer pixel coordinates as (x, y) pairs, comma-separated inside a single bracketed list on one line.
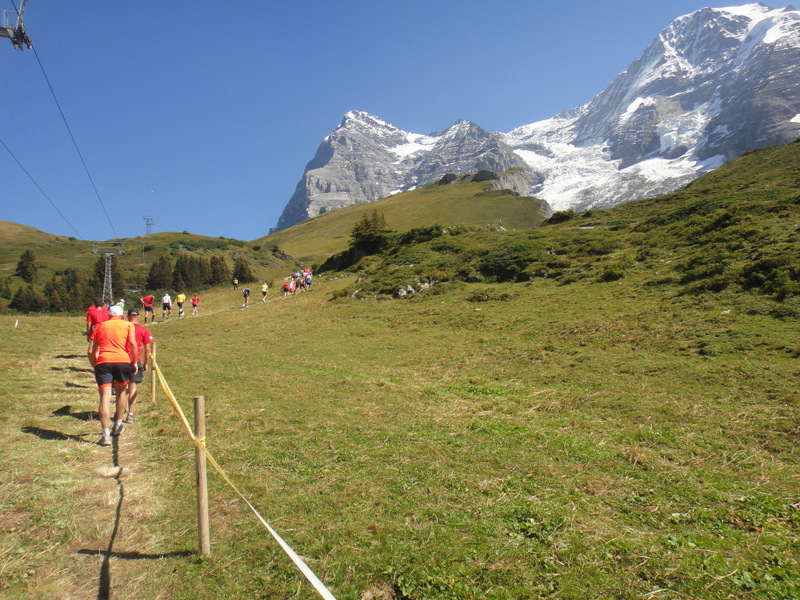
[(135, 349), (148, 351), (92, 352)]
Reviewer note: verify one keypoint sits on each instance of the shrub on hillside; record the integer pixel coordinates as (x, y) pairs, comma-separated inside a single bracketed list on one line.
[(776, 275), (418, 235), (614, 271), (561, 216), (507, 261), (490, 295)]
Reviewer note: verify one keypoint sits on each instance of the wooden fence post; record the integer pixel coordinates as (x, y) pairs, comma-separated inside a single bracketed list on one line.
[(152, 373), (203, 534)]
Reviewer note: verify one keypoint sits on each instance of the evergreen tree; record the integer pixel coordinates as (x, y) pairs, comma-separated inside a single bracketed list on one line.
[(27, 299), (242, 270), (177, 282), (203, 272), (193, 271), (220, 274), (5, 287), (69, 291), (369, 233), (160, 276), (53, 290), (28, 266), (78, 291), (182, 271)]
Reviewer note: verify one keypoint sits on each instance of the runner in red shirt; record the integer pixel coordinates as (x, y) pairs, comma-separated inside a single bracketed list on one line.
[(147, 301), (144, 347), (96, 313)]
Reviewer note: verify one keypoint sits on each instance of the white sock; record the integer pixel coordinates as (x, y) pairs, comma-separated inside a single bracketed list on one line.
[(106, 432)]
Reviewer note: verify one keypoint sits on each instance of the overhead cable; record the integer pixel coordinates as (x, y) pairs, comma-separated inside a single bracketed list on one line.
[(40, 189), (69, 130)]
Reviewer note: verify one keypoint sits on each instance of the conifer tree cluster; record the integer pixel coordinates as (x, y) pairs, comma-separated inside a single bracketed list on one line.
[(187, 272), (69, 291)]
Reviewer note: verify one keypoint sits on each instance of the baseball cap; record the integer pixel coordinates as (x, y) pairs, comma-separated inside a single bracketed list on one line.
[(133, 311), (115, 311)]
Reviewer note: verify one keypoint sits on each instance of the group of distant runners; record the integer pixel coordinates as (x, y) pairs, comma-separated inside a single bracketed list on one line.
[(293, 284), (297, 283), (246, 292), (166, 306)]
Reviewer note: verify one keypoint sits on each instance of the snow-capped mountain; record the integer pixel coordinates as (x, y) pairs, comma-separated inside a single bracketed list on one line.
[(713, 85), (366, 159)]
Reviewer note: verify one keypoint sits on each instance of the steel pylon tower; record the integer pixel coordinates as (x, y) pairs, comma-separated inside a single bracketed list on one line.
[(108, 294)]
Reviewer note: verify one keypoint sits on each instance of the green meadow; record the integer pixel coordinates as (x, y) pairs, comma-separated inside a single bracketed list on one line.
[(616, 416)]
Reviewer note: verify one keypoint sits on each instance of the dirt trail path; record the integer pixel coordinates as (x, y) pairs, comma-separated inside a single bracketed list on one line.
[(78, 513)]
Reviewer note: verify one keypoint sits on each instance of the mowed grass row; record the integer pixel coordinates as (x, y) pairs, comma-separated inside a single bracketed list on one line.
[(598, 440)]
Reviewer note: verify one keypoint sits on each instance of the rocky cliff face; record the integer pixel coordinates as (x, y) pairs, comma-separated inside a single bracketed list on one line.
[(366, 159), (714, 84)]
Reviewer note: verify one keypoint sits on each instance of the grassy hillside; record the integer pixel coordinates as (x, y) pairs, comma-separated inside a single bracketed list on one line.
[(604, 407), (601, 440), (461, 203), (58, 252), (736, 229)]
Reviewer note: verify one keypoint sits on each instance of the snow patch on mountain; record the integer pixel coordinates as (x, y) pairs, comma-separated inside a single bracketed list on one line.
[(414, 145)]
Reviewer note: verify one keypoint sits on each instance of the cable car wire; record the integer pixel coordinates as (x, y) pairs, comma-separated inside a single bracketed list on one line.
[(69, 130), (40, 189), (75, 143)]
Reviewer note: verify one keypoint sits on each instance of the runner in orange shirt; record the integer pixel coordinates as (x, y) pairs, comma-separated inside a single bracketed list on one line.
[(114, 356)]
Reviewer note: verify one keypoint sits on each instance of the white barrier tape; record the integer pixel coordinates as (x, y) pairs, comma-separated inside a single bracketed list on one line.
[(304, 568)]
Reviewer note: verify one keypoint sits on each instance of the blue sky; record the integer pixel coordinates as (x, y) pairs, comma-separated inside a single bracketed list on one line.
[(203, 114)]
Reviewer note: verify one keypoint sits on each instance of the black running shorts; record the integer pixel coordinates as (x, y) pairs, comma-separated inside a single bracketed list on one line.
[(107, 373), (138, 377)]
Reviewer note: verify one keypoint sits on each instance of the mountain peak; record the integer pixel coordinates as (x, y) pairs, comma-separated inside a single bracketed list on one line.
[(713, 84), (359, 118)]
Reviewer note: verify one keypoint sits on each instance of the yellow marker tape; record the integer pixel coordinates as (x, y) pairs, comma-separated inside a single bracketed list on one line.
[(304, 568)]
